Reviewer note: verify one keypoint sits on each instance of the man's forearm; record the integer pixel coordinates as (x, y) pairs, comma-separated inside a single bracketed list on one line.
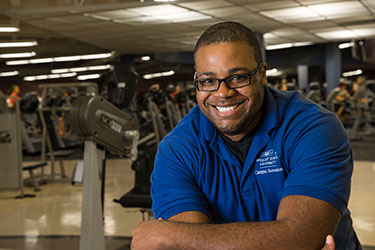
[(301, 223), (246, 235)]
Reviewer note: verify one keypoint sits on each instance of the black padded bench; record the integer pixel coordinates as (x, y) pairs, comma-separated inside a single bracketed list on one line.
[(31, 168)]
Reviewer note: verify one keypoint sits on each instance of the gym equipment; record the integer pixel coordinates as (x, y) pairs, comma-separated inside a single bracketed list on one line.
[(98, 121), (11, 152), (56, 105), (159, 115), (363, 105)]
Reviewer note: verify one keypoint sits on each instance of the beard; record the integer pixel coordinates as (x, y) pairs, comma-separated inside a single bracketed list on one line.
[(247, 120)]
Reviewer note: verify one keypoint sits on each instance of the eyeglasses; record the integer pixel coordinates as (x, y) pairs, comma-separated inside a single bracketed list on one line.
[(232, 82)]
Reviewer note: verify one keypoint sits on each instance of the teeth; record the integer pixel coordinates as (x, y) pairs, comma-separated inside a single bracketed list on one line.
[(226, 109)]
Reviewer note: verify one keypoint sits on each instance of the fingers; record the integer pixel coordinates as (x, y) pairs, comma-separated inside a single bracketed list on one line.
[(330, 243)]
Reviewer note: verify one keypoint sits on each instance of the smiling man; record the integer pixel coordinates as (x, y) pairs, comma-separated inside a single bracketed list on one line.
[(250, 167)]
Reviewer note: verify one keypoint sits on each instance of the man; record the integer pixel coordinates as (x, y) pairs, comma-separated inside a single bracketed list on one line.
[(250, 167), (13, 96), (338, 99)]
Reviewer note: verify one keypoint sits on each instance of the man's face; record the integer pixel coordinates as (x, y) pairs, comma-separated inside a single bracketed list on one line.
[(231, 111), (16, 90)]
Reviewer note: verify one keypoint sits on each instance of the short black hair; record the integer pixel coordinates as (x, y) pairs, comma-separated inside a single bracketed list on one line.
[(229, 32)]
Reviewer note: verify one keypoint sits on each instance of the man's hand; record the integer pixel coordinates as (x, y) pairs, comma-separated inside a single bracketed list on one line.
[(330, 243)]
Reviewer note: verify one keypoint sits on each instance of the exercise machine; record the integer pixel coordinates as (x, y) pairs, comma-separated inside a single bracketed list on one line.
[(98, 121), (11, 151)]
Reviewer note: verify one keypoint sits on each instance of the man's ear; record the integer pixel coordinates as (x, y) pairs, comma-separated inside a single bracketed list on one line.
[(263, 75)]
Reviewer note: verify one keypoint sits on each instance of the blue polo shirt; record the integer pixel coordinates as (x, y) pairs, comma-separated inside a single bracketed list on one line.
[(299, 148)]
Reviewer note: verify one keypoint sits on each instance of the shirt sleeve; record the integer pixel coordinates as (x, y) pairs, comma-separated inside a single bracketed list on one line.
[(173, 183), (320, 162)]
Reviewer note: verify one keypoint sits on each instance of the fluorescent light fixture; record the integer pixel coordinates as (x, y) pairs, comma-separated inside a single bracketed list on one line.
[(19, 62), (59, 71), (287, 45), (160, 74), (300, 44), (61, 59), (67, 58), (156, 10), (337, 35), (10, 73), (338, 9), (96, 56), (185, 16), (17, 55), (17, 44), (346, 45), (40, 60), (9, 29), (273, 72), (100, 67), (269, 36), (50, 76), (279, 46), (88, 77), (145, 58), (81, 69), (295, 14), (352, 73), (163, 1)]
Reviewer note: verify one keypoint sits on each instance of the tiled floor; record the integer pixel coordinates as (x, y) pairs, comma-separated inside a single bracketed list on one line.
[(57, 208)]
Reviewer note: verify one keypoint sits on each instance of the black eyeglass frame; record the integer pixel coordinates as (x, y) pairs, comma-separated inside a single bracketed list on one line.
[(249, 75)]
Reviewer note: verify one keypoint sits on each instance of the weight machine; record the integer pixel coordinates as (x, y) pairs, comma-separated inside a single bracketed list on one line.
[(11, 151), (98, 121)]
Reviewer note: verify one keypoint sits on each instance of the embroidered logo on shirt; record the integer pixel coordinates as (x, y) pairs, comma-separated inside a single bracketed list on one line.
[(267, 163)]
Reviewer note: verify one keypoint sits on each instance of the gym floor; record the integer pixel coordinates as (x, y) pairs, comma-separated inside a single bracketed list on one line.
[(52, 219)]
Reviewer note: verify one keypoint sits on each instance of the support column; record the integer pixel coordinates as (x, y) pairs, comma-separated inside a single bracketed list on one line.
[(261, 46), (333, 65), (303, 76)]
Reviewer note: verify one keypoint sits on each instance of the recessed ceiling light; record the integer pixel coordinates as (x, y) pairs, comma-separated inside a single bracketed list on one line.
[(9, 29), (159, 74), (346, 45), (88, 77), (61, 59), (145, 58), (279, 46), (9, 73), (163, 1), (17, 55), (18, 44), (352, 73)]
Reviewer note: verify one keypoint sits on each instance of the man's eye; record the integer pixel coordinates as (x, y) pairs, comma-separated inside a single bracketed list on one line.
[(208, 81), (239, 78)]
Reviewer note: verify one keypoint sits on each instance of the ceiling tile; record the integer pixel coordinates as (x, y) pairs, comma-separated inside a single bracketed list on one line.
[(370, 4), (338, 34), (310, 2), (162, 9), (203, 5), (355, 19), (244, 2), (293, 15), (339, 9), (287, 31), (268, 6), (116, 14), (71, 19), (315, 24), (223, 12)]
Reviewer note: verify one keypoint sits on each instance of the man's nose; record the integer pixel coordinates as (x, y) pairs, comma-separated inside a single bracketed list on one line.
[(224, 90)]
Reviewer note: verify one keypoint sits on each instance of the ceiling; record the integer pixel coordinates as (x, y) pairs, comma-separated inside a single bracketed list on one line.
[(142, 27)]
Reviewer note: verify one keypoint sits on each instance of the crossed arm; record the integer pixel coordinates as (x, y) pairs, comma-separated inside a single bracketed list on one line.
[(302, 223)]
